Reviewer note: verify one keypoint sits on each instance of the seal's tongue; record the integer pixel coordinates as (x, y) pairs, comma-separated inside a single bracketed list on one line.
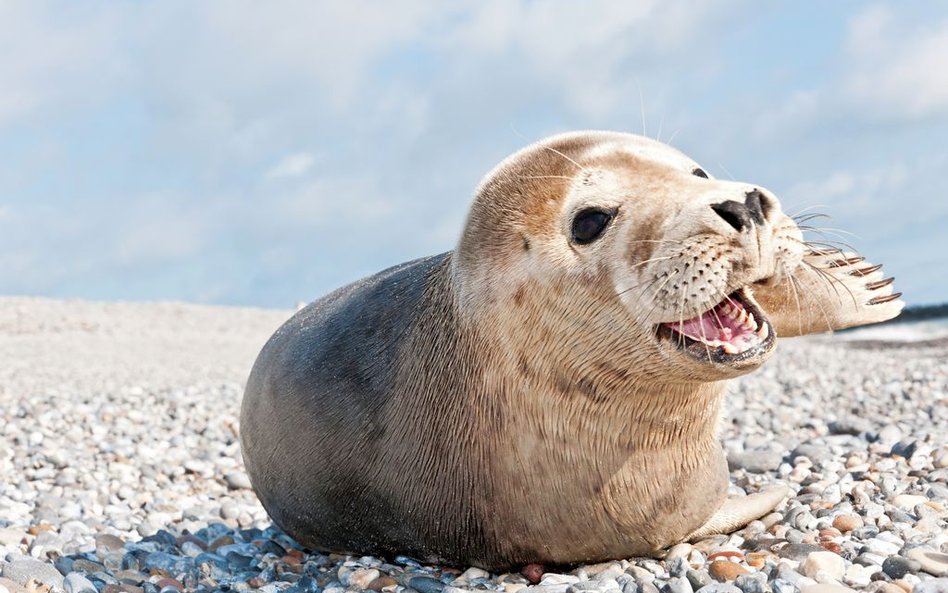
[(728, 325)]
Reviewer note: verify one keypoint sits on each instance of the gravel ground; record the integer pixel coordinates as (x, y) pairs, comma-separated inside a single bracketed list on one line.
[(121, 468)]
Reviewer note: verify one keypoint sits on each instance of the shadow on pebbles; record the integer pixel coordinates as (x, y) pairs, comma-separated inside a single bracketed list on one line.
[(121, 469)]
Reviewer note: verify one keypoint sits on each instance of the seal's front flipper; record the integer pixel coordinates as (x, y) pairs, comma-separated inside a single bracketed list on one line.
[(827, 291), (738, 512)]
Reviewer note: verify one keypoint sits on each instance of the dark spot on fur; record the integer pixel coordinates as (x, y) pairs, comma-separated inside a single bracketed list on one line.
[(587, 388), (612, 372), (518, 296), (526, 243), (584, 386)]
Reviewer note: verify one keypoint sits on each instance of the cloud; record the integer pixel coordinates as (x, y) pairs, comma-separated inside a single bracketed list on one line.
[(897, 67), (52, 57), (292, 165)]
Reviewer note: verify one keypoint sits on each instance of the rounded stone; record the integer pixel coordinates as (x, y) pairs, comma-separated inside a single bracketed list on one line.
[(725, 570), (932, 586), (897, 567), (930, 561), (826, 588), (363, 577), (823, 566), (76, 582), (718, 588), (425, 584), (847, 523)]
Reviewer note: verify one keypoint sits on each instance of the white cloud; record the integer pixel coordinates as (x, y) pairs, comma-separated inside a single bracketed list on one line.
[(292, 165), (585, 50), (162, 237), (51, 57), (879, 199), (896, 67)]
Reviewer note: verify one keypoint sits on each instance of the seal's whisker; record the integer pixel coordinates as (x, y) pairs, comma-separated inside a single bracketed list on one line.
[(652, 260), (726, 172), (566, 177), (796, 298), (641, 106), (807, 209), (826, 319), (642, 263), (658, 301), (830, 234), (673, 241), (833, 282), (804, 218), (557, 152), (837, 245)]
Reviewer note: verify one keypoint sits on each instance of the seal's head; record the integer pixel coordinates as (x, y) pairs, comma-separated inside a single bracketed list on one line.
[(594, 253)]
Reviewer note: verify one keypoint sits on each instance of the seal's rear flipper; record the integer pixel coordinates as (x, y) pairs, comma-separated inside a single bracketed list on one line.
[(738, 512), (829, 290)]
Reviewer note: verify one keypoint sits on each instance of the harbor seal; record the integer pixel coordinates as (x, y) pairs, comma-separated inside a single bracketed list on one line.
[(549, 391)]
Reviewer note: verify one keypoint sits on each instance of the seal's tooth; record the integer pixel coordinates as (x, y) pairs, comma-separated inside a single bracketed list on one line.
[(752, 323), (763, 332), (730, 348)]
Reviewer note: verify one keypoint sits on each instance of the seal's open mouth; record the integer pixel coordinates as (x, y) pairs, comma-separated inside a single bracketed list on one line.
[(732, 331)]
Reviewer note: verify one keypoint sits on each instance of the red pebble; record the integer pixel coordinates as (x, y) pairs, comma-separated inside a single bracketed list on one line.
[(533, 572)]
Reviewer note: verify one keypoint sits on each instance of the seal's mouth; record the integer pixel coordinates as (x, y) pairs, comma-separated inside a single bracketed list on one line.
[(733, 331)]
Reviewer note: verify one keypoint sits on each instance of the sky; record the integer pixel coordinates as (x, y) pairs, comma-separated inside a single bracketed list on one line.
[(242, 153)]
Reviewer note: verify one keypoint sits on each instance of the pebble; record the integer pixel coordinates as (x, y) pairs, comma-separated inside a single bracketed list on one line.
[(718, 588), (826, 588), (847, 523), (823, 567), (424, 584), (677, 585), (932, 562), (237, 481), (76, 582), (698, 578), (909, 501), (756, 460), (940, 458), (725, 570), (932, 586), (897, 567), (798, 552), (752, 582), (363, 577), (22, 570)]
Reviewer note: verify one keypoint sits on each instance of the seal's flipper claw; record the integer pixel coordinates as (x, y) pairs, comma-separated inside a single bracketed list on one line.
[(830, 290), (738, 512)]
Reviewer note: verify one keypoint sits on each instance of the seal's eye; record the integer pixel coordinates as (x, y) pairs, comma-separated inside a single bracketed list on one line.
[(699, 172), (589, 224)]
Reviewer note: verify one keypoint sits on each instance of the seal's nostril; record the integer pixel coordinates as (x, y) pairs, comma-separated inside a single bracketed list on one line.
[(733, 213), (758, 205), (759, 202)]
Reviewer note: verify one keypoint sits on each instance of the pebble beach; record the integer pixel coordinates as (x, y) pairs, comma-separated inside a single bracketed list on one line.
[(120, 468)]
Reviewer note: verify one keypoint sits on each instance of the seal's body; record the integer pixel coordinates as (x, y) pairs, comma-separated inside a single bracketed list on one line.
[(548, 392)]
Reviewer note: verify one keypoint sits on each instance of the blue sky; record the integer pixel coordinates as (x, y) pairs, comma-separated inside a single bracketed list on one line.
[(238, 153)]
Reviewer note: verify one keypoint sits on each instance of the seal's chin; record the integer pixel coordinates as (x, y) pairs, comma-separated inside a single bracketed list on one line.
[(732, 332)]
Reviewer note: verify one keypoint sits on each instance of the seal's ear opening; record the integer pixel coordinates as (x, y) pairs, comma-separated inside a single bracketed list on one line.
[(589, 224)]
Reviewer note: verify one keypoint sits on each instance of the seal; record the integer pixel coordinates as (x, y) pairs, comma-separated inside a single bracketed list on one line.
[(548, 392)]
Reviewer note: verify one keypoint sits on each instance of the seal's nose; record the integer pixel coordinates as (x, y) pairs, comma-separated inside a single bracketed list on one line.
[(755, 209)]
